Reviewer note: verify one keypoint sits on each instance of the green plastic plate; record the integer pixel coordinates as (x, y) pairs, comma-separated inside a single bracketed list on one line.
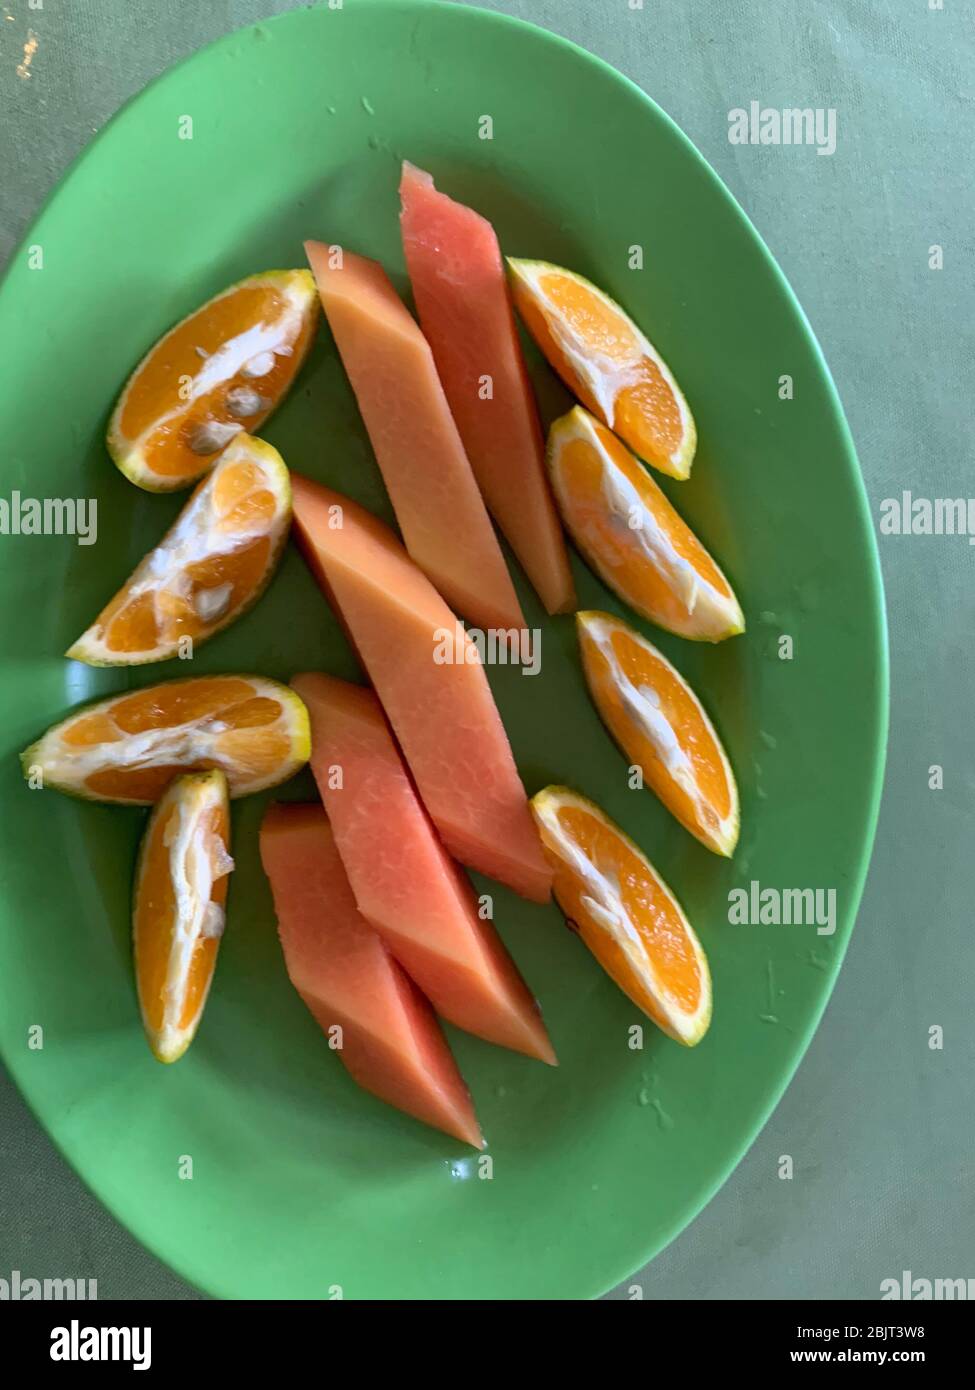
[(299, 1184)]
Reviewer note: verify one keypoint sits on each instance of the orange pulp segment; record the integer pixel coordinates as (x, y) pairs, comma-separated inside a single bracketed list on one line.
[(632, 536), (625, 914), (178, 910), (129, 747), (210, 567), (607, 362), (219, 372), (662, 728)]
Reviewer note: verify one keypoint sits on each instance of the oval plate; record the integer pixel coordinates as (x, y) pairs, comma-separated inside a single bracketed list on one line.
[(300, 1183)]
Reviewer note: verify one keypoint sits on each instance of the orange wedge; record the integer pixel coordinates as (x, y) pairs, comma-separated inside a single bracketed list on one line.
[(219, 372), (128, 748), (209, 568), (625, 913), (631, 535), (178, 910), (660, 725), (607, 362)]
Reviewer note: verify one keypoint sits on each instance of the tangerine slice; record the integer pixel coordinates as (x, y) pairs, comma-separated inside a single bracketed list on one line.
[(661, 726), (219, 372), (607, 362), (632, 536), (128, 748), (625, 913), (178, 908), (210, 567)]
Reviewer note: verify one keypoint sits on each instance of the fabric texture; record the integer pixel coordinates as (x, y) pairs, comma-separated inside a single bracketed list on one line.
[(879, 1125)]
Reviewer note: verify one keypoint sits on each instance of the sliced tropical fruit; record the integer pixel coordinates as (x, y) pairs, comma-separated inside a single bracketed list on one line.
[(430, 680), (404, 881), (209, 568), (178, 909), (219, 372), (379, 1024), (607, 362), (662, 728), (626, 914), (428, 476), (631, 535), (128, 748), (462, 297)]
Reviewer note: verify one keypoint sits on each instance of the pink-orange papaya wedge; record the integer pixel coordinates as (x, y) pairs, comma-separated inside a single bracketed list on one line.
[(431, 485), (405, 883), (391, 1042), (462, 298), (431, 683)]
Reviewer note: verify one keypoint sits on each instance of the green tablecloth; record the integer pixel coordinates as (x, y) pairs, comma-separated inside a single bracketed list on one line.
[(880, 1126)]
